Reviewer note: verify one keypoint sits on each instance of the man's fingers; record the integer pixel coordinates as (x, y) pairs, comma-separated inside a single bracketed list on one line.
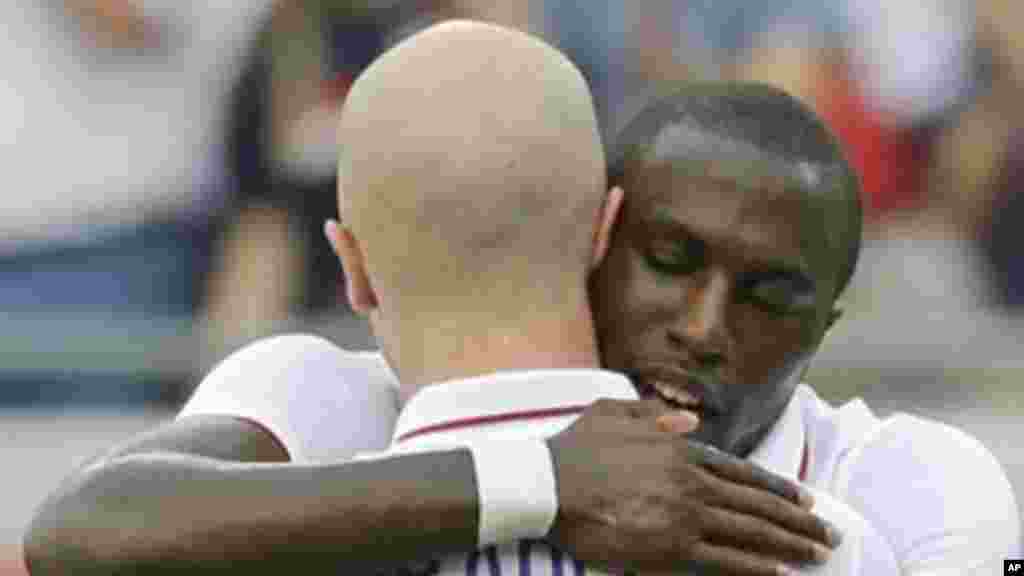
[(651, 409), (610, 406), (665, 419), (724, 560), (743, 472), (729, 528), (646, 408), (769, 507), (678, 422)]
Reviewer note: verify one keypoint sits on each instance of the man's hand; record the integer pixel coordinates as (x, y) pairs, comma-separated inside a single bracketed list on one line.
[(635, 494)]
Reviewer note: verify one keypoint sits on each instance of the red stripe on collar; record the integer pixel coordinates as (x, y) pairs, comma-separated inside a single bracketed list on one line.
[(523, 416)]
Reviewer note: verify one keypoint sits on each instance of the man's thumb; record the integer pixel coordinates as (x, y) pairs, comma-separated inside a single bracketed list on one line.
[(678, 422)]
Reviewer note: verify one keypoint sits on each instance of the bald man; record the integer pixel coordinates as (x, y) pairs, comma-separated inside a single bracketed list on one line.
[(473, 220)]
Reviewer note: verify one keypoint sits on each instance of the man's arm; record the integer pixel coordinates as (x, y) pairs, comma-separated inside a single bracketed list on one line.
[(214, 488), (170, 502), (209, 491), (199, 495)]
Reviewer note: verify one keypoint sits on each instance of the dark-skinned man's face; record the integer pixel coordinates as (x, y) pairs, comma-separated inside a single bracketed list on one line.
[(715, 293)]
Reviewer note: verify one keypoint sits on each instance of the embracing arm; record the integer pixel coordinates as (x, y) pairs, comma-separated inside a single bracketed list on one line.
[(215, 493), (173, 501), (169, 502), (248, 477)]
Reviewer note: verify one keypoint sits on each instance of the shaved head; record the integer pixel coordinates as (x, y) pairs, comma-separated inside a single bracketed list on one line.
[(471, 185), (470, 163)]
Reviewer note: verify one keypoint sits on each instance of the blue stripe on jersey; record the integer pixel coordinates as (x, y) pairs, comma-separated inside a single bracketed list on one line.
[(524, 557), (492, 561), (525, 551), (471, 561), (556, 562)]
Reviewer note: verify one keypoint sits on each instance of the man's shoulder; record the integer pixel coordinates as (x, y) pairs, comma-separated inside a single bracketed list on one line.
[(322, 401), (851, 438), (864, 550), (937, 492), (266, 362), (948, 455)]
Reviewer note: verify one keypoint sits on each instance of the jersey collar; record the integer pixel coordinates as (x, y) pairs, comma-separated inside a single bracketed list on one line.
[(470, 406), (466, 408), (784, 450)]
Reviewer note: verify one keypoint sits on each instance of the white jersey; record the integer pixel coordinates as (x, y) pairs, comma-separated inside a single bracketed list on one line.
[(322, 403), (933, 500), (541, 403)]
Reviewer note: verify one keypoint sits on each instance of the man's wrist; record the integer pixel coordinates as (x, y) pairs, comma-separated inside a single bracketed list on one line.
[(517, 490), (576, 513), (557, 536)]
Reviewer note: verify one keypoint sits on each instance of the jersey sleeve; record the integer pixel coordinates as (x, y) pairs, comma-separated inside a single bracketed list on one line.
[(863, 549), (321, 402), (938, 496)]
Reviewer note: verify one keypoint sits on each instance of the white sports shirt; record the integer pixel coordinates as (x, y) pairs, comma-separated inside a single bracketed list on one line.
[(932, 499), (541, 403)]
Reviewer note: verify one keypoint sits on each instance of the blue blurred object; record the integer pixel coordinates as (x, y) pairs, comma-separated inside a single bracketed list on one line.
[(353, 42), (82, 322), (88, 389), (592, 34), (152, 270)]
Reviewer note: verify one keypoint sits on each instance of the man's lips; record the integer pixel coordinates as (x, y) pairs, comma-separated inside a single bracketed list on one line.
[(678, 387)]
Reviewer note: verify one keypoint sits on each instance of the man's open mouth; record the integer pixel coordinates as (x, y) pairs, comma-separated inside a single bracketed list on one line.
[(671, 395), (678, 389)]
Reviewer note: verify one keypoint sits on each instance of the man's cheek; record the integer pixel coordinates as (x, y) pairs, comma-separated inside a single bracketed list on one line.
[(660, 301), (776, 337)]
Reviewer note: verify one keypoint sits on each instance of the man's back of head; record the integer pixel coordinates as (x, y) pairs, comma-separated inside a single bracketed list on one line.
[(471, 178)]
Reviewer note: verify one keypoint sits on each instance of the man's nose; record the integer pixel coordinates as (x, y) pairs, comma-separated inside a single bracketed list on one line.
[(701, 329)]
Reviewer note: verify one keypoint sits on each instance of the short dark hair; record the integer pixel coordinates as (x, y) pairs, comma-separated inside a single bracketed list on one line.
[(762, 116)]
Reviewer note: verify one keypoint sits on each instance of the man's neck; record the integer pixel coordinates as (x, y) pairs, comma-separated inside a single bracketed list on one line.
[(537, 342)]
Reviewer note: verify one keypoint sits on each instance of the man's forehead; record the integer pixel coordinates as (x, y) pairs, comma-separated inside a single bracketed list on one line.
[(688, 146), (687, 182), (771, 221), (767, 239), (697, 170)]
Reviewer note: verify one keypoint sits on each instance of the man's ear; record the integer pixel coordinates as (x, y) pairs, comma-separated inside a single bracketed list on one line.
[(361, 295), (605, 225)]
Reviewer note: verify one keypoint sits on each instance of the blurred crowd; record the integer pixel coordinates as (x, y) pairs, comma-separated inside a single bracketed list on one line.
[(169, 163)]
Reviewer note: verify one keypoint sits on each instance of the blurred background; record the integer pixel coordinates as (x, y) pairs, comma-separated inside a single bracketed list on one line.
[(168, 164)]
